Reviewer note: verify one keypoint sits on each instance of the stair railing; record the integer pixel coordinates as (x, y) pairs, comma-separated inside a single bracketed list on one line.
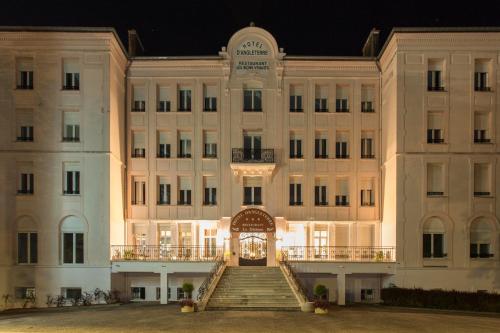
[(207, 287), (293, 278)]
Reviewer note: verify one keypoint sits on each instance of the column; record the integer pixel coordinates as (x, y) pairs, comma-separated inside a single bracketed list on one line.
[(271, 249), (163, 285), (341, 288), (234, 249)]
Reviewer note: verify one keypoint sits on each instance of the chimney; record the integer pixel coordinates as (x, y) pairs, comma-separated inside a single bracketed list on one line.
[(135, 47), (371, 47)]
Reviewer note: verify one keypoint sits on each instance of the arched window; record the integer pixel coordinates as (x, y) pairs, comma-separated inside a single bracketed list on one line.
[(481, 238), (27, 241), (433, 239), (72, 239)]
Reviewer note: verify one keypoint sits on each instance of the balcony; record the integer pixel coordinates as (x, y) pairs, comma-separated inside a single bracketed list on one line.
[(165, 253), (340, 253), (252, 161)]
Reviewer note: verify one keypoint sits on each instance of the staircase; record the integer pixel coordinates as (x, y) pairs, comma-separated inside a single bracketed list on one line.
[(253, 288)]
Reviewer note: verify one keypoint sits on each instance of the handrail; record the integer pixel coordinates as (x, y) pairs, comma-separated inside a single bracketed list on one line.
[(206, 287), (165, 253), (301, 290), (340, 253)]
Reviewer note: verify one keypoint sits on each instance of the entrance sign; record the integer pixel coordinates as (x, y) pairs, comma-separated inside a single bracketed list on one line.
[(252, 220)]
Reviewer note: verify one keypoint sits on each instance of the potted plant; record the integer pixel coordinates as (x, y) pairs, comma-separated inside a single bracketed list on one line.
[(321, 304), (187, 304)]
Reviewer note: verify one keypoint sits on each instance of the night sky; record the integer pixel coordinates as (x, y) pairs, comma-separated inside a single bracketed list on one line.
[(188, 27)]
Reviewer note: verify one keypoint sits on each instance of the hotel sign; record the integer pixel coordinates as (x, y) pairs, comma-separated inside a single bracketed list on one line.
[(252, 220), (254, 53)]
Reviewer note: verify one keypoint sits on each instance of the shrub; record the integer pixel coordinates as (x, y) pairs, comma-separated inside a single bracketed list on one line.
[(320, 291), (188, 289), (442, 299)]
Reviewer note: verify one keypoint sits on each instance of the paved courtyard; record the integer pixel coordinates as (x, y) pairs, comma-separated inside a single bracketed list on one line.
[(156, 318)]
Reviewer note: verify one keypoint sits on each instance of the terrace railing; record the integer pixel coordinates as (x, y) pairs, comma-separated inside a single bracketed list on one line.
[(340, 253), (165, 253)]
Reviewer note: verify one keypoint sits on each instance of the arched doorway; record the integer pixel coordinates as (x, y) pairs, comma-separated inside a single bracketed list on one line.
[(253, 240), (253, 249)]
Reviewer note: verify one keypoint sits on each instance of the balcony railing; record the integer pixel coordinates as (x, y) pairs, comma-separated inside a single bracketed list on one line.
[(340, 253), (165, 253), (243, 155)]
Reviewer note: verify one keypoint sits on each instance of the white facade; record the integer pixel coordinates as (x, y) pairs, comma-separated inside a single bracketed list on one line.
[(388, 159)]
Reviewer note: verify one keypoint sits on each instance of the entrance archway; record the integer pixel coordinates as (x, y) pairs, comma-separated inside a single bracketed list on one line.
[(253, 239)]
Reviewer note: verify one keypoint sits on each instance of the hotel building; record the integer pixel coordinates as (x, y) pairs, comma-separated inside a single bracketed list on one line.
[(139, 173)]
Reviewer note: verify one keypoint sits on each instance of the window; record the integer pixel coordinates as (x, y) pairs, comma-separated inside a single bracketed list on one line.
[(342, 99), (71, 126), (342, 195), (320, 240), (165, 240), (209, 98), (163, 191), (26, 184), (24, 73), (27, 248), (163, 100), (158, 293), (184, 145), (138, 144), (252, 146), (252, 100), (481, 127), (24, 125), (296, 93), (482, 68), (367, 192), (342, 144), (435, 179), (320, 192), (433, 239), (367, 99), (367, 147), (480, 239), (321, 99), (138, 191), (252, 191), (184, 100), (25, 292), (71, 74), (72, 179), (140, 234), (163, 144), (482, 179), (72, 241), (72, 293), (295, 192), (367, 294), (184, 191), (209, 191), (320, 145), (209, 144), (435, 75), (180, 293), (139, 95), (185, 239), (138, 293), (209, 242), (295, 145), (435, 131)]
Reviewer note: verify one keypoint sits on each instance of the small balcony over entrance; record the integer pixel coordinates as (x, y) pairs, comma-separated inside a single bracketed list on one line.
[(252, 161)]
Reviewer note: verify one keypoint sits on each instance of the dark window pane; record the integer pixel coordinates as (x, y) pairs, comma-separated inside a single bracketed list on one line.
[(22, 248), (68, 248), (33, 248), (257, 195), (438, 246), (79, 248), (427, 252)]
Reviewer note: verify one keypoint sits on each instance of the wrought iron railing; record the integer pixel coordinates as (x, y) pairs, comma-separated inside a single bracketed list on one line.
[(285, 263), (340, 253), (165, 253), (243, 155), (214, 273)]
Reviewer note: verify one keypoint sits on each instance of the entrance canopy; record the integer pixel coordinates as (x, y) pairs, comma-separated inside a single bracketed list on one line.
[(252, 220)]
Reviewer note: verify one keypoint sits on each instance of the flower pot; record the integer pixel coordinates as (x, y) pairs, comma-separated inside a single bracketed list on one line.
[(186, 309), (307, 307), (320, 311)]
